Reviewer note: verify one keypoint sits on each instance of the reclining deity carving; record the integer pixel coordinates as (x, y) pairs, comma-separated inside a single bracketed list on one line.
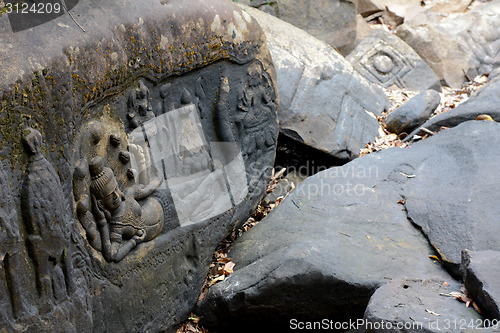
[(118, 221)]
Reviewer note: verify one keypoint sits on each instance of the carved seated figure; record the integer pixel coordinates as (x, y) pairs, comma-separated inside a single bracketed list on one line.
[(122, 220)]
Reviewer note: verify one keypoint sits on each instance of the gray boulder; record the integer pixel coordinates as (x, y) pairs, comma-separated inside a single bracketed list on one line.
[(413, 113), (331, 21), (454, 194), (324, 102), (481, 270), (466, 43), (348, 230), (417, 306), (399, 7), (484, 101), (267, 6), (384, 59)]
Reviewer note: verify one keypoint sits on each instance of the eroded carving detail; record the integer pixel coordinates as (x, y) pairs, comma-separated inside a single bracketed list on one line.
[(122, 221), (139, 106), (255, 122), (485, 48), (48, 225), (256, 100), (13, 301), (115, 221), (386, 65)]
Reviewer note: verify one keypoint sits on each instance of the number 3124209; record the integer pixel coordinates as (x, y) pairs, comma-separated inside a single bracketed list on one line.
[(35, 8)]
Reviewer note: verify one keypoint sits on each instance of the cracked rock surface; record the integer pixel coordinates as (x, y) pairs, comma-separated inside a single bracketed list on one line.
[(410, 301), (347, 231), (480, 273)]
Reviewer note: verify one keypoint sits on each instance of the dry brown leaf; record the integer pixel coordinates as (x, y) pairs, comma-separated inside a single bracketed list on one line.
[(191, 328), (474, 304), (433, 257), (228, 268), (484, 117), (217, 279)]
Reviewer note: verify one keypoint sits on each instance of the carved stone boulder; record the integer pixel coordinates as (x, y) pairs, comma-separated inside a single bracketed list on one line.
[(386, 60), (459, 47), (134, 138), (325, 104)]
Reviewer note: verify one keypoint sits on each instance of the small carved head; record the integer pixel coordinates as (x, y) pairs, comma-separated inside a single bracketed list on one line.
[(103, 185), (33, 142)]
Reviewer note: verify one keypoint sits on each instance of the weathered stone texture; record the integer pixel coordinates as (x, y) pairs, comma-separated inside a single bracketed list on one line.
[(325, 103), (155, 106)]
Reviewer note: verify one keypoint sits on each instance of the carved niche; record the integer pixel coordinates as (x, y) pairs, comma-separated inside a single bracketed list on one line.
[(170, 153)]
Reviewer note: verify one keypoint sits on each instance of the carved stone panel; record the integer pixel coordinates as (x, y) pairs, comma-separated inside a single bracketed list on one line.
[(133, 150), (386, 60), (164, 146)]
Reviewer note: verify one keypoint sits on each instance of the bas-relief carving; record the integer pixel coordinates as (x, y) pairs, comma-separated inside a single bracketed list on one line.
[(192, 140), (121, 221), (485, 47), (47, 223), (13, 299), (56, 280), (386, 65), (139, 106), (113, 190), (256, 98)]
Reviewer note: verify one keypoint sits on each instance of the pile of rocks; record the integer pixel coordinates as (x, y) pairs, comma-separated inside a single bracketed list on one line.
[(389, 237)]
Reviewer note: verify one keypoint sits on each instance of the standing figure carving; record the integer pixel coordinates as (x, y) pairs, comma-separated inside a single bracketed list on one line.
[(48, 224), (12, 296)]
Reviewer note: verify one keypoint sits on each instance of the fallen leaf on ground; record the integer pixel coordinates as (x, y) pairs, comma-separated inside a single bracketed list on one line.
[(433, 257), (432, 312), (228, 268), (217, 279), (450, 99), (463, 296)]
